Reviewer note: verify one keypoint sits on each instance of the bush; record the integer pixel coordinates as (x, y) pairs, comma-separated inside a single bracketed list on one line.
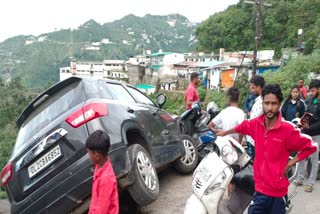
[(294, 69), (218, 97), (202, 93), (3, 195), (175, 101)]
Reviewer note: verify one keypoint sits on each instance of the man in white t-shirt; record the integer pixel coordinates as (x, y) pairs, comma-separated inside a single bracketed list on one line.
[(231, 116)]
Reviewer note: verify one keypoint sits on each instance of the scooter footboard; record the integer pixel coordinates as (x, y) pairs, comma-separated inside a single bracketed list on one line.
[(239, 201), (194, 205)]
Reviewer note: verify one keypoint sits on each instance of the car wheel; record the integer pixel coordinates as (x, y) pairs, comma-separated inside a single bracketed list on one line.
[(189, 161), (145, 189)]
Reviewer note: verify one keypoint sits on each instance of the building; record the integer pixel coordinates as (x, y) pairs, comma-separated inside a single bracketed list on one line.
[(116, 69), (162, 63), (201, 57), (138, 67), (107, 69)]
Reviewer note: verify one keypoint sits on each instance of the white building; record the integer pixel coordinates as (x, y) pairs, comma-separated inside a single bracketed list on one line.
[(107, 69), (162, 63), (201, 57), (246, 56)]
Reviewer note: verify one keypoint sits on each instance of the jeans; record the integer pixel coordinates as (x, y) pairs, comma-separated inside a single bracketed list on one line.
[(314, 160), (263, 204)]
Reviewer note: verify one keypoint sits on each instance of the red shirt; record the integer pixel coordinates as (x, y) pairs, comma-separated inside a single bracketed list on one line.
[(104, 198), (303, 91), (191, 94), (272, 149)]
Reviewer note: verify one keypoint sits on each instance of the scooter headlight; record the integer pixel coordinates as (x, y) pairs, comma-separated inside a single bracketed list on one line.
[(229, 154), (217, 183)]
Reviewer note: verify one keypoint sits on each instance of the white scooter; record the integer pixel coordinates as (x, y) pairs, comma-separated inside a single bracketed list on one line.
[(214, 173)]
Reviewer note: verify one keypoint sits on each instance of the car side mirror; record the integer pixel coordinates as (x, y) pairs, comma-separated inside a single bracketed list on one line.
[(161, 100)]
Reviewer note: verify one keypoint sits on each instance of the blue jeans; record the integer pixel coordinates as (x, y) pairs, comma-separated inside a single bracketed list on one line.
[(263, 204), (314, 160)]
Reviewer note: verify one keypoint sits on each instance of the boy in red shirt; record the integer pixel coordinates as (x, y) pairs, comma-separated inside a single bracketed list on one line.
[(274, 140), (104, 197)]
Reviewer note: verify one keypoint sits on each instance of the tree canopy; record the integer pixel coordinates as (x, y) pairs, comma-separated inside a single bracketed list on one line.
[(234, 28)]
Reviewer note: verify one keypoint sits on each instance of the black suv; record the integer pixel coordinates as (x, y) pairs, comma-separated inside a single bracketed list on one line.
[(49, 170)]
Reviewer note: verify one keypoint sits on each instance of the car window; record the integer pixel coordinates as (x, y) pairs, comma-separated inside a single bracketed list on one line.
[(48, 111), (141, 98), (104, 92), (120, 93)]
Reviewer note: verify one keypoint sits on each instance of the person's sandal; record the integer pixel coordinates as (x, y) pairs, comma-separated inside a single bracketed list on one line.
[(308, 188), (298, 183)]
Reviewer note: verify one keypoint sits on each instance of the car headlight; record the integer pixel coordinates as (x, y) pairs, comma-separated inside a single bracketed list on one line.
[(217, 183), (229, 154)]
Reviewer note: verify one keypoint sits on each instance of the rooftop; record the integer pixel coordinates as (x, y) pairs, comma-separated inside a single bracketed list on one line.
[(161, 53)]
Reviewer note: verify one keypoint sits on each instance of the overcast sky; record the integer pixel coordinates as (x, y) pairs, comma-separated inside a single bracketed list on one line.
[(41, 16)]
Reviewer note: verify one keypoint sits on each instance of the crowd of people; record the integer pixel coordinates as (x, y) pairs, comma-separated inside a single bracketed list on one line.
[(270, 135), (263, 125)]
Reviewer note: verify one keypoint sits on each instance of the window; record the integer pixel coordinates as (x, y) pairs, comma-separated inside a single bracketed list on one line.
[(104, 92), (141, 98), (120, 93), (54, 106)]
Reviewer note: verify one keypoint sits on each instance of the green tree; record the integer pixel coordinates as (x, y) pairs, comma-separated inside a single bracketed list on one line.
[(234, 29)]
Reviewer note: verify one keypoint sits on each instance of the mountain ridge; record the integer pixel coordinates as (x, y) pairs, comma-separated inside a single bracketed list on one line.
[(37, 59)]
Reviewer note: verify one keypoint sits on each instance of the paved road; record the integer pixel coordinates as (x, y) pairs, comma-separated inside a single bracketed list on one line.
[(4, 207), (175, 189)]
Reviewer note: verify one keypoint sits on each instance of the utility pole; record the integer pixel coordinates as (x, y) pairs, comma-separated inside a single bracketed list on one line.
[(301, 31), (258, 29)]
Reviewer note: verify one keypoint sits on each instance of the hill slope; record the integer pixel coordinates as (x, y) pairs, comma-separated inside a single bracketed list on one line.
[(234, 28), (37, 59)]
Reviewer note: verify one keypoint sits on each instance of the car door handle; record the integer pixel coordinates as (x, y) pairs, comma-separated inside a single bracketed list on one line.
[(130, 110)]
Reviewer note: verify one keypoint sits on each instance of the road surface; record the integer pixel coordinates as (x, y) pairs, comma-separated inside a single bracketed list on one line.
[(175, 189)]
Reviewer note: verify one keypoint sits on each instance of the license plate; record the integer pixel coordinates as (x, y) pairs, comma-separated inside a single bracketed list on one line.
[(44, 161)]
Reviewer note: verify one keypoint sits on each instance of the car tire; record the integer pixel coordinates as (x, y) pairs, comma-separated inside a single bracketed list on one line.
[(309, 170), (145, 189), (189, 161)]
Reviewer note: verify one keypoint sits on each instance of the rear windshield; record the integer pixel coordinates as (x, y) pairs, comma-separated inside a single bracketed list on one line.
[(49, 110)]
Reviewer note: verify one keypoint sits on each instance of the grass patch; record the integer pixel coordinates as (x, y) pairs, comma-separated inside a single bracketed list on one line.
[(3, 195)]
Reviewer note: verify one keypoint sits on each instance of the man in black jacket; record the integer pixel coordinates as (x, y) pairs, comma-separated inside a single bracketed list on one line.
[(312, 129)]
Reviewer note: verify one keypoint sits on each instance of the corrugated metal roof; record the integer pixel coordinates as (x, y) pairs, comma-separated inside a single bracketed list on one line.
[(161, 54), (144, 86), (210, 63)]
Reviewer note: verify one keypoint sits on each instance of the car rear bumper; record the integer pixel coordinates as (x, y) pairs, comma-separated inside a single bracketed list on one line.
[(70, 188)]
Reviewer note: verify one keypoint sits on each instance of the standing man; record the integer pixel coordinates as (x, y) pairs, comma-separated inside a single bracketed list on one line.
[(231, 116), (274, 140), (312, 129), (303, 90), (191, 94), (248, 104), (256, 85)]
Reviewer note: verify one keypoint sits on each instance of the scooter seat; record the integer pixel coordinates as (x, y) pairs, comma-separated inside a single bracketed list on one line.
[(243, 180)]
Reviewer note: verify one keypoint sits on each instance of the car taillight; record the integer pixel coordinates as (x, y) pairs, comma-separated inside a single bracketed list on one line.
[(6, 174), (88, 112)]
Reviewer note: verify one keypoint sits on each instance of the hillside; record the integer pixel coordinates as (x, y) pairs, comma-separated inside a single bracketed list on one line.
[(37, 59), (234, 28)]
